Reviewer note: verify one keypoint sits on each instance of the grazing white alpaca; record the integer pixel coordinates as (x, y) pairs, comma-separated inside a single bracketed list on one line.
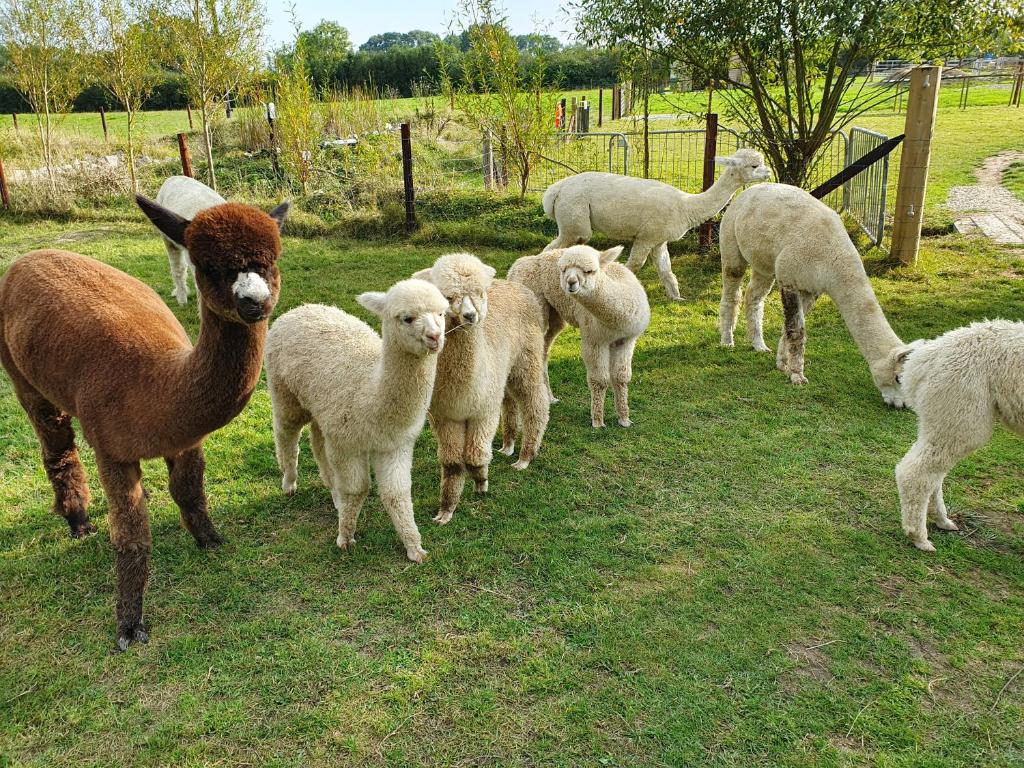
[(784, 234), (186, 197), (960, 385), (650, 213), (493, 355), (364, 396), (586, 288)]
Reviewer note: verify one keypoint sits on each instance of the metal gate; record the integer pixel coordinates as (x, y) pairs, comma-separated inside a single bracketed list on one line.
[(864, 196), (565, 154)]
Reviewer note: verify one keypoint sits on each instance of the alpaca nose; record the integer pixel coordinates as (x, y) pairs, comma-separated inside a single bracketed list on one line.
[(249, 309), (469, 317)]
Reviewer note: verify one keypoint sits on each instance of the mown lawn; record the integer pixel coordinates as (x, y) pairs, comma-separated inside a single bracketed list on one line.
[(725, 584)]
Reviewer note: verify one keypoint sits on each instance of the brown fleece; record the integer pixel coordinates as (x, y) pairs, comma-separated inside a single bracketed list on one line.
[(82, 339)]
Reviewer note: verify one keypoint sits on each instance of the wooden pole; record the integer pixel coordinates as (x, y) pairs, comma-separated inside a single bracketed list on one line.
[(410, 196), (600, 105), (186, 159), (188, 110), (103, 120), (5, 195), (922, 105), (1018, 86), (710, 147), (14, 117), (488, 162)]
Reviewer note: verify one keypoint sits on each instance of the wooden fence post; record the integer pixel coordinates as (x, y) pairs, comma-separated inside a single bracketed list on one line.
[(103, 121), (410, 195), (600, 105), (5, 195), (922, 105), (186, 159), (488, 162), (1018, 85), (188, 110), (710, 148), (14, 117)]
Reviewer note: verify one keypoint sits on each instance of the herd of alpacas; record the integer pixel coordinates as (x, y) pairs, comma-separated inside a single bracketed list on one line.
[(457, 346)]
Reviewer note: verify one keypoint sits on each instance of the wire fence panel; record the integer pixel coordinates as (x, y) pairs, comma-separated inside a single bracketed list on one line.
[(677, 156), (864, 196), (566, 154)]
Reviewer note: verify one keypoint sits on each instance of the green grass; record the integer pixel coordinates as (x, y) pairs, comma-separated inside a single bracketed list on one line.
[(725, 584), (1013, 179)]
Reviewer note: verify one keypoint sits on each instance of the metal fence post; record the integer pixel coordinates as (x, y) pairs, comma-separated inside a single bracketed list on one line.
[(186, 159), (600, 105), (710, 147), (410, 196), (488, 162)]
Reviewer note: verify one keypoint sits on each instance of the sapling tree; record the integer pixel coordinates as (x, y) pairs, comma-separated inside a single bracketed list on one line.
[(44, 40)]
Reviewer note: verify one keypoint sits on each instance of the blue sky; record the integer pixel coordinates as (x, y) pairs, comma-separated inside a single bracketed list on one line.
[(369, 17)]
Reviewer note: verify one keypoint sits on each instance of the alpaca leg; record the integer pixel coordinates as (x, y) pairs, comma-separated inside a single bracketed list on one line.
[(621, 366), (938, 505), (918, 475), (394, 477), (596, 359), (289, 419), (527, 388), (638, 254), (555, 326), (479, 436), (759, 287), (451, 442), (668, 279), (350, 483), (509, 423), (316, 443), (186, 471), (564, 239), (60, 458), (133, 542), (792, 307), (179, 270), (728, 309)]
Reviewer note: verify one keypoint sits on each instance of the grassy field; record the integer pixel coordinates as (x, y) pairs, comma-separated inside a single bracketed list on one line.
[(724, 584), (1013, 179)]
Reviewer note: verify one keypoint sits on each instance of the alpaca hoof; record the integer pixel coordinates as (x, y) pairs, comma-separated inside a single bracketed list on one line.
[(82, 530), (521, 464), (762, 347), (598, 424), (444, 516), (480, 486), (289, 486), (346, 544), (508, 450), (182, 297), (947, 525), (209, 540), (625, 422), (798, 379), (925, 546), (728, 344), (552, 400), (675, 298), (417, 554), (129, 635)]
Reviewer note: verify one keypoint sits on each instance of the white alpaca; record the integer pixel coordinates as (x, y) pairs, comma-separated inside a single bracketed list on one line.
[(493, 354), (960, 385), (364, 396), (649, 213), (784, 234), (186, 197), (590, 290)]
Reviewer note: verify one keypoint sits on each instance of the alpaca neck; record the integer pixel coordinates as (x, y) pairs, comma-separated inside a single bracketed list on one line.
[(696, 209), (222, 370), (864, 318), (602, 303), (403, 383)]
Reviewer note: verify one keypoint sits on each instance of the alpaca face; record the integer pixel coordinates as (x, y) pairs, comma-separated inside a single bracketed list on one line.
[(234, 249), (411, 314), (463, 281), (579, 268), (746, 165)]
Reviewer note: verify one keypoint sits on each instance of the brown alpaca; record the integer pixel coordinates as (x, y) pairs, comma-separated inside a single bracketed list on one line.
[(79, 338)]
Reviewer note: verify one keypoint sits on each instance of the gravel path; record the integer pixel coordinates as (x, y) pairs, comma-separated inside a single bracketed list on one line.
[(988, 207)]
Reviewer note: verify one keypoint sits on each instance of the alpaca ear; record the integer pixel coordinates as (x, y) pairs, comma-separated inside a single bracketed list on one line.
[(490, 271), (374, 301), (423, 274), (728, 162), (607, 257), (280, 213), (167, 221)]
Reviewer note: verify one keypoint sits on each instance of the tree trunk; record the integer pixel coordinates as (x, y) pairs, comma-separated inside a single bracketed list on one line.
[(204, 114), (131, 149), (647, 129)]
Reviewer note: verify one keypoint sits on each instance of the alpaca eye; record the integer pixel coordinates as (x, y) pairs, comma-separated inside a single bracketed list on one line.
[(408, 319)]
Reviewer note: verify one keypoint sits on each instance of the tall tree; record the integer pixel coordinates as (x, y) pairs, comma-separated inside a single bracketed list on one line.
[(44, 40), (218, 46), (126, 62), (536, 42), (800, 58)]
